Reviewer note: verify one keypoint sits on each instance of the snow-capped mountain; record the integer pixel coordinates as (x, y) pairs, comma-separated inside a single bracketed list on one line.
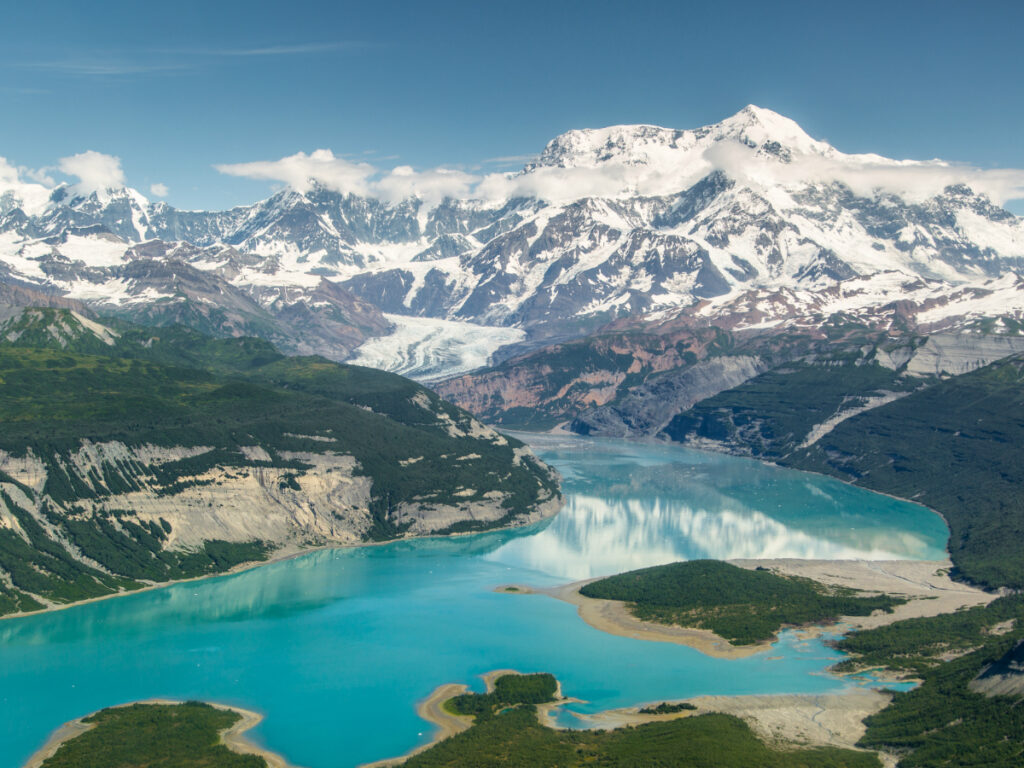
[(616, 222)]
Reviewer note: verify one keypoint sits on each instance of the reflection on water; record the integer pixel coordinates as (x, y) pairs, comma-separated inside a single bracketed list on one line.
[(336, 647), (629, 505)]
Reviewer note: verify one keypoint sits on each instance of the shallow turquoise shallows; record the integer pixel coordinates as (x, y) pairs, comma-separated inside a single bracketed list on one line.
[(336, 647)]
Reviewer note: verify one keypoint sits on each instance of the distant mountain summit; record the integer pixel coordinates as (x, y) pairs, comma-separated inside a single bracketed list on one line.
[(747, 221), (634, 145)]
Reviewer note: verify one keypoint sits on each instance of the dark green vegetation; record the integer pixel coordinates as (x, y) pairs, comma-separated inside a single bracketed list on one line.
[(509, 690), (741, 605), (125, 549), (175, 388), (665, 708), (943, 722), (186, 736), (772, 413), (150, 735), (953, 444), (514, 738), (916, 646), (956, 447)]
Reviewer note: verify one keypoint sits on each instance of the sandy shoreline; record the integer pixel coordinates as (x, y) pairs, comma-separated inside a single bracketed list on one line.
[(787, 720), (613, 617), (432, 710), (926, 584), (233, 738), (826, 719)]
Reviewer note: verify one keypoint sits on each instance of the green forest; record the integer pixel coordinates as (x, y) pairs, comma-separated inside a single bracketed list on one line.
[(509, 690), (513, 738), (150, 735), (186, 736), (952, 444), (743, 606), (955, 447), (942, 722)]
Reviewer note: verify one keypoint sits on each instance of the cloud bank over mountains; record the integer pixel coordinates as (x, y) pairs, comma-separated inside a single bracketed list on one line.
[(86, 173), (865, 175), (756, 147)]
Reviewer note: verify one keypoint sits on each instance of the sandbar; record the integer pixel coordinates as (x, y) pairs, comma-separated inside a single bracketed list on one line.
[(829, 719), (925, 583), (786, 720), (615, 618)]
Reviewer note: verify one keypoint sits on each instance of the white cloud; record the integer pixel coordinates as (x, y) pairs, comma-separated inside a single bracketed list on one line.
[(866, 174), (287, 50), (34, 197), (9, 176), (431, 186), (38, 175), (158, 190), (12, 176), (95, 172), (300, 170)]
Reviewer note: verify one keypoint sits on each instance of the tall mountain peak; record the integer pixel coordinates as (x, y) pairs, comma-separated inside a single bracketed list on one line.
[(642, 144), (756, 126)]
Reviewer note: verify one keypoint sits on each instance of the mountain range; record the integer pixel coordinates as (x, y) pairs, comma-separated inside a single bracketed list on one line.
[(748, 223)]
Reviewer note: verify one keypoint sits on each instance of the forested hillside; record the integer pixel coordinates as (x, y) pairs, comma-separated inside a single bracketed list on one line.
[(957, 447), (132, 455)]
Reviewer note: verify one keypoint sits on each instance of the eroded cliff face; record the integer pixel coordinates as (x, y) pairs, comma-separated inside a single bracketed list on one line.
[(633, 380), (953, 354), (134, 521), (328, 502), (1004, 677), (557, 383), (138, 456), (648, 409)]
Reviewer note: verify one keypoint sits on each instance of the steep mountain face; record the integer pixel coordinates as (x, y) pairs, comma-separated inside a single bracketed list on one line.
[(138, 455), (640, 220), (748, 216), (633, 377)]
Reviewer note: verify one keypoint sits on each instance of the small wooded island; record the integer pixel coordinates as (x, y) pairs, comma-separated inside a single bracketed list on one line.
[(741, 605), (175, 735)]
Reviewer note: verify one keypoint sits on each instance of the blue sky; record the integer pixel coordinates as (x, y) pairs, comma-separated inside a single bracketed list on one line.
[(174, 88)]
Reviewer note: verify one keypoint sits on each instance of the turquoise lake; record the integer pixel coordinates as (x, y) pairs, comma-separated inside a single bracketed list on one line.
[(337, 646)]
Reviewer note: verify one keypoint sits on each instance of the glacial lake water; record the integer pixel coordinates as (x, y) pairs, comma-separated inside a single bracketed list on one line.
[(337, 646)]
